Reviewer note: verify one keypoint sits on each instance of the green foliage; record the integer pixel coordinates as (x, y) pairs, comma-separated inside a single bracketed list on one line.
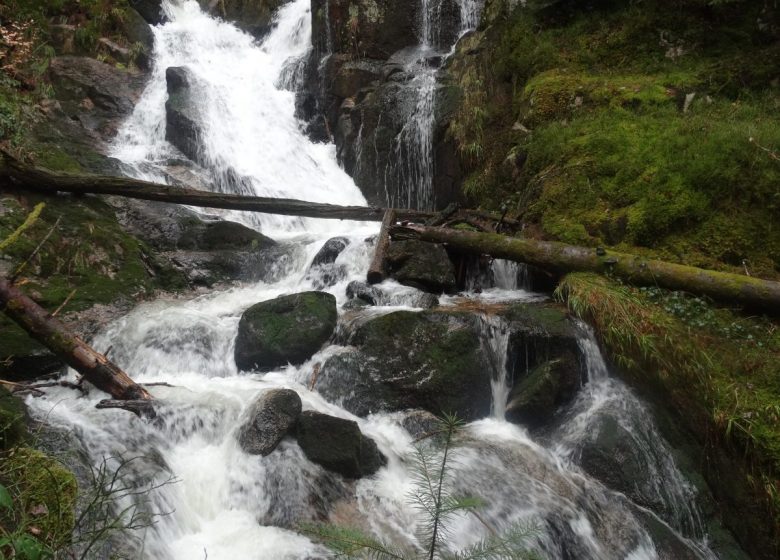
[(613, 151), (437, 506)]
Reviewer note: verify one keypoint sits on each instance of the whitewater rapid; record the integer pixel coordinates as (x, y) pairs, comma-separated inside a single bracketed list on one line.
[(223, 504)]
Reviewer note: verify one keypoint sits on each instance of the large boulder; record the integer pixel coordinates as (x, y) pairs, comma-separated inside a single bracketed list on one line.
[(150, 10), (181, 112), (430, 360), (253, 16), (271, 417), (544, 362), (444, 360), (288, 329), (96, 95), (422, 265), (338, 445)]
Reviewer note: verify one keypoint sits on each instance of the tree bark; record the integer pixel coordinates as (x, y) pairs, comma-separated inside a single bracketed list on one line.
[(755, 293), (44, 181), (378, 268), (50, 332)]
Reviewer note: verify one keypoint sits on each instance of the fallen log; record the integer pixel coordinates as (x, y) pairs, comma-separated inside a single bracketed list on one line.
[(50, 332), (378, 268), (763, 295), (43, 180)]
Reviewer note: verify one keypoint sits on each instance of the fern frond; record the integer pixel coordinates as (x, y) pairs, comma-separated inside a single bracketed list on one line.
[(509, 545), (349, 542)]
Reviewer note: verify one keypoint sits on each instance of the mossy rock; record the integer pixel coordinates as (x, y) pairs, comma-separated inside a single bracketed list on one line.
[(37, 481), (221, 236), (13, 420), (430, 360), (537, 397), (288, 329)]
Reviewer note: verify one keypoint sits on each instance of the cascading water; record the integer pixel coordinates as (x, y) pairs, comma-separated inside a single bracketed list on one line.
[(226, 504), (413, 164)]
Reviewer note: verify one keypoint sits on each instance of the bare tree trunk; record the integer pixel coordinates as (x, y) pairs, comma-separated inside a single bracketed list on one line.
[(44, 181), (378, 268), (50, 332), (763, 295)]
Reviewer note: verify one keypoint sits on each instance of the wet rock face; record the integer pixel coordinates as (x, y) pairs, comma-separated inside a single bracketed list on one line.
[(338, 445), (96, 95), (150, 10), (253, 16), (544, 362), (271, 417), (181, 112), (366, 28), (425, 266), (360, 91), (288, 329)]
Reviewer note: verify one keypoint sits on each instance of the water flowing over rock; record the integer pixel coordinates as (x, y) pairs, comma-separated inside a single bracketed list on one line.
[(338, 445), (271, 417), (392, 368), (288, 329), (380, 99), (253, 16)]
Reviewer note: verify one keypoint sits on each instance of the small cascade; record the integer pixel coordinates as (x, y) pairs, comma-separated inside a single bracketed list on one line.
[(605, 405), (412, 166), (510, 275), (495, 341)]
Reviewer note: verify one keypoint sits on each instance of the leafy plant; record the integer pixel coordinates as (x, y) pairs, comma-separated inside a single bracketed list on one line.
[(438, 506)]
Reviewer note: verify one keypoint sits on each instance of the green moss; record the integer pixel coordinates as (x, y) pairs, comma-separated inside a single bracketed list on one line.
[(13, 416), (592, 141), (87, 259), (34, 480)]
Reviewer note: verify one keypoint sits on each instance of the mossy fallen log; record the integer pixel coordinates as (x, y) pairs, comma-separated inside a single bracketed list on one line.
[(754, 293), (50, 332)]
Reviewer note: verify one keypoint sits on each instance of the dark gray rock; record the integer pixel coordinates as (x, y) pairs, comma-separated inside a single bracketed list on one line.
[(271, 417), (181, 112), (420, 423), (544, 362), (95, 94), (338, 445), (422, 265), (137, 31), (542, 390), (330, 251), (370, 28), (288, 329), (429, 360), (150, 10), (253, 16)]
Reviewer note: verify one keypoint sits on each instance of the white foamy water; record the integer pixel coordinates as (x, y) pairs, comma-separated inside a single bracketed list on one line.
[(227, 505)]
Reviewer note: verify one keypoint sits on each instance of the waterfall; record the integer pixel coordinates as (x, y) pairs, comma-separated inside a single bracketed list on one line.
[(495, 340), (412, 166), (223, 504)]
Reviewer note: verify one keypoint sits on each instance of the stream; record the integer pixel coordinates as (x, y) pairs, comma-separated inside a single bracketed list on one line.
[(221, 503)]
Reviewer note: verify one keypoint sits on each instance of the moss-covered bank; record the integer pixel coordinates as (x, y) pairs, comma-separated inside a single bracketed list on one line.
[(631, 124), (716, 372)]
